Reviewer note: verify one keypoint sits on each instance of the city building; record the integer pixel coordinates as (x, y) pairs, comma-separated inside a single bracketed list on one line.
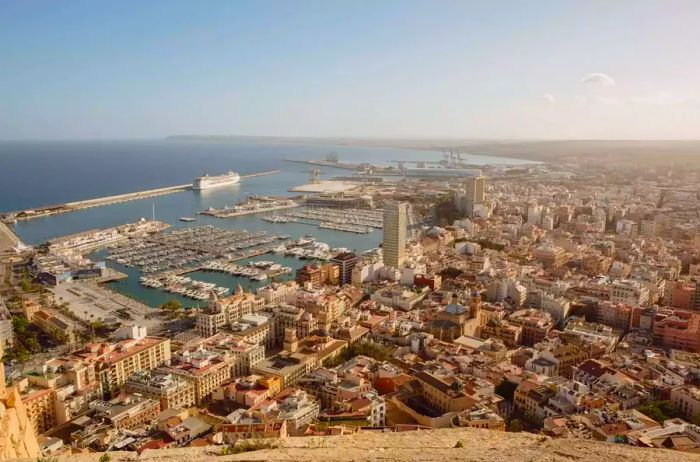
[(169, 390), (6, 333), (117, 362), (345, 262), (473, 195), (126, 412), (220, 313), (629, 292), (677, 329), (395, 228)]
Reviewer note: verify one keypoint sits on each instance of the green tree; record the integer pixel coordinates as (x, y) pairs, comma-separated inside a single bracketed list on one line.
[(19, 325), (660, 411), (515, 426), (32, 344), (173, 307)]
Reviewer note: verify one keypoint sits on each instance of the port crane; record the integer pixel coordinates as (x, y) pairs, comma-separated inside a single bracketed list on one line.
[(314, 176), (450, 159)]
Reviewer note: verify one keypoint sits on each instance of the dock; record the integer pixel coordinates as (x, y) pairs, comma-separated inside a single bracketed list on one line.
[(29, 214), (253, 175), (325, 163)]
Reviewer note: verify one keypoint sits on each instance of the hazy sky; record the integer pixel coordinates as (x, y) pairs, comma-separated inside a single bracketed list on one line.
[(488, 69)]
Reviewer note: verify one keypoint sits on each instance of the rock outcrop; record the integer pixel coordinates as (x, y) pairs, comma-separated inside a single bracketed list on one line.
[(439, 445), (17, 437)]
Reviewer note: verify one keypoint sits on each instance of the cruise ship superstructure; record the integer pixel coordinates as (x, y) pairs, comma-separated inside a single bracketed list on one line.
[(206, 181)]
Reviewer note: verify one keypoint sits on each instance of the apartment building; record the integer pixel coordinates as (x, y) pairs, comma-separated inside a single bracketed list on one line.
[(205, 369), (170, 390), (222, 312)]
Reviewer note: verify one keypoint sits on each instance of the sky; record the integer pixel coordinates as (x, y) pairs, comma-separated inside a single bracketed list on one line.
[(521, 69)]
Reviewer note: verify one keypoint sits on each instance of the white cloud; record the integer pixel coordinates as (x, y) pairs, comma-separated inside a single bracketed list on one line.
[(598, 78), (550, 98)]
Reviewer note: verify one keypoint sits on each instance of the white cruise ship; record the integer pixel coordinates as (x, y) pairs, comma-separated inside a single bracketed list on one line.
[(206, 181)]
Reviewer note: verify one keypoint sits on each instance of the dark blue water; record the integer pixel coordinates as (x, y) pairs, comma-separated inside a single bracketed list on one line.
[(34, 174)]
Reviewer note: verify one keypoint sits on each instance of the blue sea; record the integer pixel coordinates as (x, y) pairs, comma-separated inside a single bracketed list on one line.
[(34, 174)]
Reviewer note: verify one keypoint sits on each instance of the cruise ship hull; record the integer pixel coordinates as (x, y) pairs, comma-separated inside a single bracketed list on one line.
[(209, 182)]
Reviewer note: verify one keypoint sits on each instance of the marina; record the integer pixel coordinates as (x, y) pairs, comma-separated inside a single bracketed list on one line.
[(183, 286), (164, 259), (352, 220), (256, 271), (190, 247), (254, 204)]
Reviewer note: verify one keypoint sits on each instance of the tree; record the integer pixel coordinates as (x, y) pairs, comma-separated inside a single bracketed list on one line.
[(660, 411), (19, 325), (32, 344), (515, 426), (172, 306), (506, 389)]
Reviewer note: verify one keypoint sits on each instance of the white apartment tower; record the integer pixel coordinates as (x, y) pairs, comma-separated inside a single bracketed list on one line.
[(394, 243)]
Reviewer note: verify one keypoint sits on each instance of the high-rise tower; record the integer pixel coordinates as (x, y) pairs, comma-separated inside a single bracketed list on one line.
[(394, 243)]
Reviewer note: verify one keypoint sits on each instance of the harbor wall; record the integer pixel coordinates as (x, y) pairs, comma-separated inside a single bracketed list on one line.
[(29, 214)]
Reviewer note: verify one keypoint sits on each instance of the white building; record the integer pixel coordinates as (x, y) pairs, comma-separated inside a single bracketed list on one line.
[(629, 292)]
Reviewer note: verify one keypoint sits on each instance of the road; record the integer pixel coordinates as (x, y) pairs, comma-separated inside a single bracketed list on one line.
[(8, 239)]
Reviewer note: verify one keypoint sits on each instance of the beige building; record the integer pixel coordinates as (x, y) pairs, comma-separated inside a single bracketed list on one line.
[(687, 401), (205, 369), (127, 412), (442, 396), (551, 256), (474, 194), (171, 391), (287, 367), (40, 406), (394, 241), (117, 362), (222, 312)]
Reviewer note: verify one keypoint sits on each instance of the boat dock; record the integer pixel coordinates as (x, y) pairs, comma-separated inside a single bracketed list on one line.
[(39, 212), (254, 204), (325, 163)]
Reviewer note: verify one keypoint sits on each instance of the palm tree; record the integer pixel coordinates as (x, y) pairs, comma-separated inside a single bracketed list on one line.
[(92, 326)]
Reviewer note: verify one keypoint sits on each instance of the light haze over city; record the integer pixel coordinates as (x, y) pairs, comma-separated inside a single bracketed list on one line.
[(508, 69)]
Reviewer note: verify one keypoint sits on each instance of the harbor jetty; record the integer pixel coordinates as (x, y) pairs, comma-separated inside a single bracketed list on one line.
[(254, 204), (28, 214)]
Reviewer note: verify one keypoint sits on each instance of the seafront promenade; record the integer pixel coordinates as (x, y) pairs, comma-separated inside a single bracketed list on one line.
[(28, 214)]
